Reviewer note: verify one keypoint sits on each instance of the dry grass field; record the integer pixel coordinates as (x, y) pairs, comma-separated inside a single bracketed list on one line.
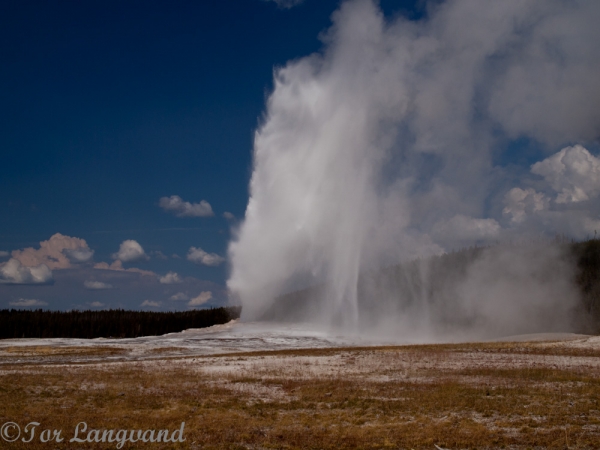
[(495, 395)]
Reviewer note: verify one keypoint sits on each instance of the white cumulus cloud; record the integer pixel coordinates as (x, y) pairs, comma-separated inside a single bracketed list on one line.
[(170, 278), (58, 252), (199, 256), (13, 272), (97, 304), (228, 215), (180, 208), (573, 172), (200, 299), (3, 254), (96, 285), (521, 203), (27, 303), (130, 250)]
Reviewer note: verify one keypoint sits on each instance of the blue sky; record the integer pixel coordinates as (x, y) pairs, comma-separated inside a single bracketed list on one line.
[(109, 106)]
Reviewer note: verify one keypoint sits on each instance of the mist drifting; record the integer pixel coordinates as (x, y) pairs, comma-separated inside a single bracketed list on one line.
[(399, 140)]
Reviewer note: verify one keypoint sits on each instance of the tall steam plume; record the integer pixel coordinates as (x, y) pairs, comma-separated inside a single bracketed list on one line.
[(403, 139)]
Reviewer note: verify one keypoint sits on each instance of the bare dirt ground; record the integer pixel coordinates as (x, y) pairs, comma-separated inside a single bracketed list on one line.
[(527, 392)]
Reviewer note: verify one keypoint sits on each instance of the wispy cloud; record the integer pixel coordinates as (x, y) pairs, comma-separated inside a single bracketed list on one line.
[(150, 304), (286, 4), (170, 278), (174, 204), (118, 266), (159, 255), (96, 285), (199, 256), (200, 299), (180, 296), (27, 303), (461, 229)]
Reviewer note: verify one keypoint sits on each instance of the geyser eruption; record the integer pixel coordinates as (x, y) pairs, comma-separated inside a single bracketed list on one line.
[(403, 139)]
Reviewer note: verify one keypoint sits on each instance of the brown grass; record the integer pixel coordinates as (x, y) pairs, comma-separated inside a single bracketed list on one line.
[(453, 396)]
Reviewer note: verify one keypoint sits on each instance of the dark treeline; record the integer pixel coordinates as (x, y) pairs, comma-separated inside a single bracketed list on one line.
[(434, 280), (587, 278), (116, 323)]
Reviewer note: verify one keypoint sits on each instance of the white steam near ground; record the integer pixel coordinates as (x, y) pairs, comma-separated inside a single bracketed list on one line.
[(403, 139)]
